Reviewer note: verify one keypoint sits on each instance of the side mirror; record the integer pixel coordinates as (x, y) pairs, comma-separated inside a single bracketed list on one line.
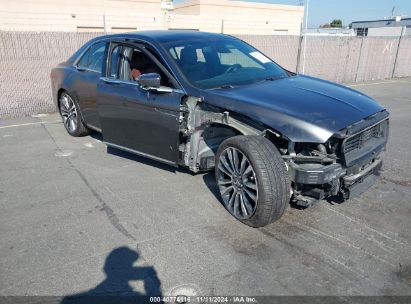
[(152, 81), (149, 81)]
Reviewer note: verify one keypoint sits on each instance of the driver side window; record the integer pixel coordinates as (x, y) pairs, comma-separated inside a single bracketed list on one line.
[(127, 63)]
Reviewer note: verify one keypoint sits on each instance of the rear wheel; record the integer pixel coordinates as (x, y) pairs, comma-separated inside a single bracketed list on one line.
[(252, 179), (71, 117)]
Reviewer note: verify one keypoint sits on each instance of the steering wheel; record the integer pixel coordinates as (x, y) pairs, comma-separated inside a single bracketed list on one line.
[(233, 68)]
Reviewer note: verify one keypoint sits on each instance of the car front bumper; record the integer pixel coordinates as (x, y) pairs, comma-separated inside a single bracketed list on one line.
[(355, 184), (320, 181)]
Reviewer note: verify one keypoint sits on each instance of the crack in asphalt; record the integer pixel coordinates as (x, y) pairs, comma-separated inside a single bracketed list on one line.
[(404, 183), (114, 220)]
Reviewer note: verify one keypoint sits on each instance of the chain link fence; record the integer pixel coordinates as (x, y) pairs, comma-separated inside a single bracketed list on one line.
[(26, 59)]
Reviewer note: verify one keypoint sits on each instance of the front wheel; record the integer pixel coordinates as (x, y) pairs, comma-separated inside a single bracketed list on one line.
[(252, 179), (69, 111)]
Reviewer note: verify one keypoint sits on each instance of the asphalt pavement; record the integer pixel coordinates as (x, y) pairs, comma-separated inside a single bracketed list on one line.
[(76, 216)]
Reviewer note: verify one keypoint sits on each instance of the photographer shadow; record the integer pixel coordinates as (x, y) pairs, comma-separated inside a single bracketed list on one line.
[(115, 288)]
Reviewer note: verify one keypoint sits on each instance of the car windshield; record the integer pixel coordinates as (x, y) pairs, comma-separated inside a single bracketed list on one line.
[(220, 63)]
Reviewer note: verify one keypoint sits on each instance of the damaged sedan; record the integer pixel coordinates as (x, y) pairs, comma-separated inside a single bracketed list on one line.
[(208, 101)]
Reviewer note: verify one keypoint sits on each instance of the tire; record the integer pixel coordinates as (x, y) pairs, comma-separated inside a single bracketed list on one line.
[(70, 113), (257, 197)]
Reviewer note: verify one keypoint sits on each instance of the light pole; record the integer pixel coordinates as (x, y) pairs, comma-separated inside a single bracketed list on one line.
[(305, 32)]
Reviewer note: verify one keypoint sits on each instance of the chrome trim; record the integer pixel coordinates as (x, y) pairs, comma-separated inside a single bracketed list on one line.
[(178, 91), (86, 69), (160, 89), (116, 81), (134, 41), (94, 128), (141, 154), (369, 127)]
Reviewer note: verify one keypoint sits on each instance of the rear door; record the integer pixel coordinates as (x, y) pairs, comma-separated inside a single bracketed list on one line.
[(89, 69), (135, 119)]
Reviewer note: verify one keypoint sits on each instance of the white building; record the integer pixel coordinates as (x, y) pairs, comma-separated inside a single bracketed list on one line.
[(332, 31), (239, 17), (386, 27), (232, 17)]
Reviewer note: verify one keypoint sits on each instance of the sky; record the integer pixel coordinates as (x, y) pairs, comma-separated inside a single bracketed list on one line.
[(324, 11)]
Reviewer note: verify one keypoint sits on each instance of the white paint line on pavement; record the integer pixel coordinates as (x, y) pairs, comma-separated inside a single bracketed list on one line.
[(89, 145), (29, 124), (63, 153), (375, 83), (39, 115)]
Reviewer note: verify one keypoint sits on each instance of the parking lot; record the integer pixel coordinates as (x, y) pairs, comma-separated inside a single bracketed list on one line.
[(76, 216)]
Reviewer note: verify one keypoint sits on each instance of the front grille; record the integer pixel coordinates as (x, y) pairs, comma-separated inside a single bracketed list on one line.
[(357, 141), (365, 144)]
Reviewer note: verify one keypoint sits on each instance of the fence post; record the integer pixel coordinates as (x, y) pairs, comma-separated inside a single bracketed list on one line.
[(396, 54), (359, 60), (104, 23), (300, 41)]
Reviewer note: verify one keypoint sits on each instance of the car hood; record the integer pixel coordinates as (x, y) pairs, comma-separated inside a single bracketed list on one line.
[(302, 108)]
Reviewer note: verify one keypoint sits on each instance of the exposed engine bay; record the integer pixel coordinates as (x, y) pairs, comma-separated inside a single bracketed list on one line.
[(343, 166)]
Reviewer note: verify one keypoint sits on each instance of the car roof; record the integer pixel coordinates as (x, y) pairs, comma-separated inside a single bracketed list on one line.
[(155, 37), (167, 35)]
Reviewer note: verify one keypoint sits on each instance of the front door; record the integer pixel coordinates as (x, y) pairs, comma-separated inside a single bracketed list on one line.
[(135, 119)]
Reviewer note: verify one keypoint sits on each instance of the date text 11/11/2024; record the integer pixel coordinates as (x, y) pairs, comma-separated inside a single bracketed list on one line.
[(202, 299)]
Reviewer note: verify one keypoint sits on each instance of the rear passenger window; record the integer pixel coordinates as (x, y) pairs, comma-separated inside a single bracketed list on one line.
[(93, 57)]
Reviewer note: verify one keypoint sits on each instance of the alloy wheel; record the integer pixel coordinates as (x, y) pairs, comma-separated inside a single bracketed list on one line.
[(237, 183), (68, 112)]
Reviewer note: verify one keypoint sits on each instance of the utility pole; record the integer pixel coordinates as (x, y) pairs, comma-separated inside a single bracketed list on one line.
[(300, 41), (398, 49), (359, 60), (305, 33)]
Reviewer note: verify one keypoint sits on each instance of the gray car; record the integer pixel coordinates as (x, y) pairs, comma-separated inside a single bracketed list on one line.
[(209, 101)]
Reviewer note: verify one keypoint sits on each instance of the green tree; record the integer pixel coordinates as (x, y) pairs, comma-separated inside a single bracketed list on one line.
[(336, 23)]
